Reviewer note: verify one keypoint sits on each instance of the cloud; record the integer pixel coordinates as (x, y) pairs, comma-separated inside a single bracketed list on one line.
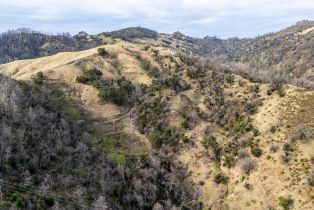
[(197, 17), (204, 21)]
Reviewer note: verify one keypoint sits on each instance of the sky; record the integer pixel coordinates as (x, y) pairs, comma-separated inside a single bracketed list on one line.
[(197, 18)]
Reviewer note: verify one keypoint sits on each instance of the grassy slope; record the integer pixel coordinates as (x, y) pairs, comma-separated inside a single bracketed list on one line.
[(270, 180)]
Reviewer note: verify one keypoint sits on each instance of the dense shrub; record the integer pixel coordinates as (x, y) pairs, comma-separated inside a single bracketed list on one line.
[(221, 179), (286, 203), (39, 78), (240, 124), (175, 82), (48, 201), (150, 114), (229, 78), (211, 142), (121, 95), (89, 76), (256, 151), (145, 64), (102, 51), (19, 200), (195, 73), (277, 86), (288, 147), (229, 161), (311, 180), (151, 70), (114, 95), (165, 136)]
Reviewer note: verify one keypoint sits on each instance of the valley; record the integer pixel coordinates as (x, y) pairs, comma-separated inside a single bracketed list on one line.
[(142, 123)]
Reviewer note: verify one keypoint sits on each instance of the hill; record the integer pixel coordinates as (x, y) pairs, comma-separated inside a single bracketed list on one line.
[(25, 43), (150, 128), (132, 33), (287, 54)]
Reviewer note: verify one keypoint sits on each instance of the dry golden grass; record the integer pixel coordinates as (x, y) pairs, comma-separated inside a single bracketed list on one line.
[(66, 66), (306, 31), (270, 180)]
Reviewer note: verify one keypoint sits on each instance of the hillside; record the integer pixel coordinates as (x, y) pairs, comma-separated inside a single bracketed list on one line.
[(165, 131), (287, 54), (25, 43)]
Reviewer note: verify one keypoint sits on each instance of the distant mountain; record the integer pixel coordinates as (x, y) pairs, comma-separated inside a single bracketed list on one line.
[(132, 32), (25, 44), (288, 53)]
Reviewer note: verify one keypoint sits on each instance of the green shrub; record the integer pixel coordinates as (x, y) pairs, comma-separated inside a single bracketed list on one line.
[(286, 203), (201, 183), (39, 78), (229, 161), (121, 95), (221, 179), (311, 180), (248, 186), (256, 151), (277, 86), (145, 65), (185, 124), (287, 147), (167, 136), (142, 121), (273, 129), (214, 145), (5, 205), (195, 73), (72, 112), (118, 159), (230, 78), (114, 95), (102, 51), (105, 144), (250, 107), (240, 124), (89, 76), (3, 167), (19, 200), (173, 82), (48, 201)]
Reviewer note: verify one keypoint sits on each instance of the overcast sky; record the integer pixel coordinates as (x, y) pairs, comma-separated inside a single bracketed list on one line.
[(223, 18)]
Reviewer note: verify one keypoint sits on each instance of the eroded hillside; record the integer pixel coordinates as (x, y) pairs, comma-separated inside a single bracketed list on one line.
[(234, 144)]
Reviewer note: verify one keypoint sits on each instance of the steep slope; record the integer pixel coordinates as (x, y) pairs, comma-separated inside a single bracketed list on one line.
[(137, 170), (238, 142)]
